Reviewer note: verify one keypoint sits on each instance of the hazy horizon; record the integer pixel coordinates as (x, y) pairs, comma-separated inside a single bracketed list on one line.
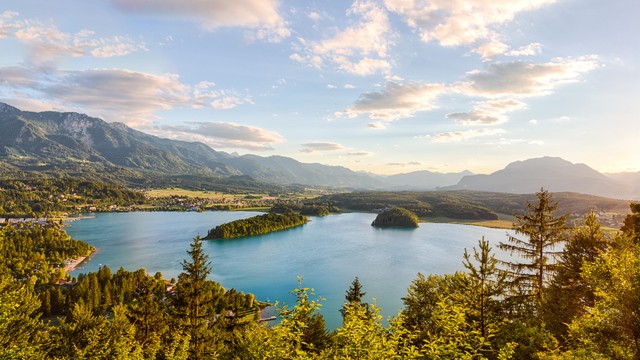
[(382, 86)]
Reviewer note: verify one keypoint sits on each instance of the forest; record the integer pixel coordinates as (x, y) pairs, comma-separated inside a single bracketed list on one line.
[(465, 204), (571, 292), (257, 225), (39, 197), (396, 217)]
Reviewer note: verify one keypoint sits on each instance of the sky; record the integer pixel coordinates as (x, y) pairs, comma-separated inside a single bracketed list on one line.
[(386, 86)]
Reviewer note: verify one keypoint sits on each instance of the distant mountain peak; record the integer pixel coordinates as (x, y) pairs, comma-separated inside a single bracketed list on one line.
[(553, 173), (546, 161), (7, 108)]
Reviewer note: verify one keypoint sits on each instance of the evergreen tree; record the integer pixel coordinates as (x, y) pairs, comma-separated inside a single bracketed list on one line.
[(534, 263), (631, 225), (353, 296), (611, 327), (486, 286), (146, 312), (569, 294), (193, 298), (21, 331)]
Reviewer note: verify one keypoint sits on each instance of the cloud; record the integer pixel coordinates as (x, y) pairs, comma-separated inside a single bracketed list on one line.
[(6, 24), (48, 44), (523, 79), (411, 163), (491, 49), (359, 49), (378, 125), (315, 16), (395, 101), (527, 50), (17, 77), (223, 135), (115, 94), (507, 142), (262, 16), (488, 112), (460, 22), (359, 153), (320, 147), (458, 136)]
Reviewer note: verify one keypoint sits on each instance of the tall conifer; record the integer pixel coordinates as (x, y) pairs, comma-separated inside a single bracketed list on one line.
[(539, 232), (193, 297)]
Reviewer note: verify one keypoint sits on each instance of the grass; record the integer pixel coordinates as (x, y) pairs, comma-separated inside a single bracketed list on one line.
[(185, 193), (502, 223)]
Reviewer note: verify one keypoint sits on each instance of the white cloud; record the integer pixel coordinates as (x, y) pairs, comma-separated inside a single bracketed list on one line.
[(315, 16), (223, 135), (260, 15), (523, 79), (458, 136), (491, 49), (359, 153), (6, 25), (359, 49), (114, 94), (349, 86), (116, 46), (527, 50), (377, 125), (320, 147), (407, 164), (489, 112), (395, 101), (460, 22), (48, 44)]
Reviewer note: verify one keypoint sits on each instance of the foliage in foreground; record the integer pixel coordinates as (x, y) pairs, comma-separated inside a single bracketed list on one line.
[(477, 314)]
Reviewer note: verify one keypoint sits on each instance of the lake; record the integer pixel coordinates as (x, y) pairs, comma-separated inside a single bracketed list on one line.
[(329, 252)]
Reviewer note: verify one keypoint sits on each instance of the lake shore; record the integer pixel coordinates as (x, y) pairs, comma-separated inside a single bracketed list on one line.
[(72, 264)]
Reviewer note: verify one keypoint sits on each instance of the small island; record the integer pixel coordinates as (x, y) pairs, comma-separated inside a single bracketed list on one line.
[(396, 217), (256, 225)]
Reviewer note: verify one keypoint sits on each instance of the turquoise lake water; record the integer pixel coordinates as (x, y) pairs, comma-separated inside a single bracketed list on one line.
[(328, 252)]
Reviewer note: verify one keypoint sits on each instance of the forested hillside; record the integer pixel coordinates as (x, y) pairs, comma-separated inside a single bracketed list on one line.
[(470, 205), (42, 197)]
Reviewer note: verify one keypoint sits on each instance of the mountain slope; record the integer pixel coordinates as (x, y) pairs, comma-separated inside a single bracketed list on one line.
[(74, 144), (552, 173), (425, 180)]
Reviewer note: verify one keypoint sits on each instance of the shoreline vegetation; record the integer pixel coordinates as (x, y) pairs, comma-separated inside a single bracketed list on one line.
[(256, 225)]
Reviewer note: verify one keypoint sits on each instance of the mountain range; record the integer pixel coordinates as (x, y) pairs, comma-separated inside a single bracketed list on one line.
[(554, 174), (76, 145)]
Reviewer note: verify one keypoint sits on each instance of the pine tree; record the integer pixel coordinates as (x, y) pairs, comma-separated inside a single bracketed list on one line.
[(354, 296), (486, 285), (631, 225), (193, 297), (22, 333), (534, 264), (569, 294)]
